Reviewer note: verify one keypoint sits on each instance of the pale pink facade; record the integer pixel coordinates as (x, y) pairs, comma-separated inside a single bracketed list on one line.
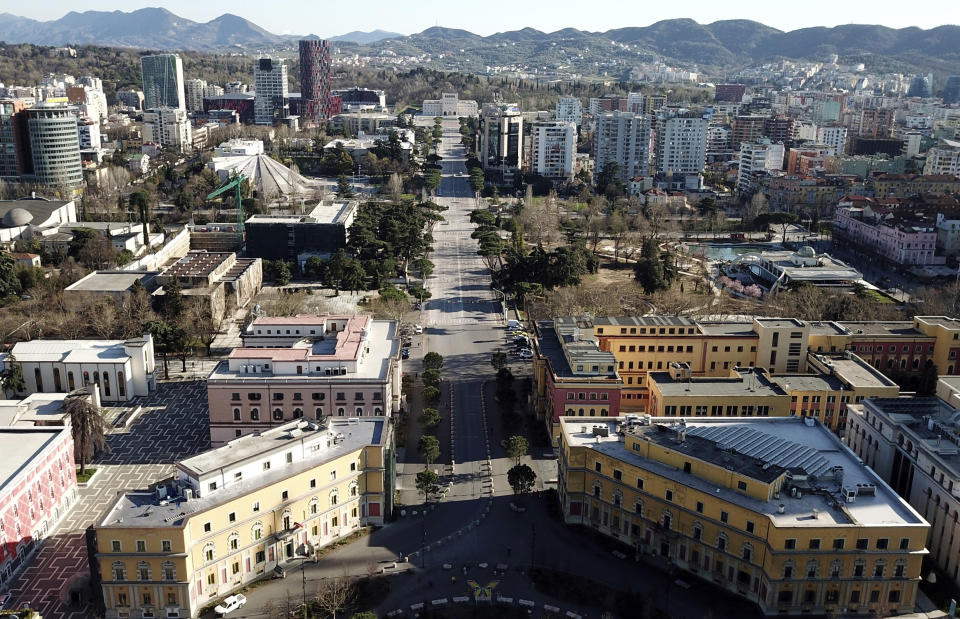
[(305, 367), (38, 484), (897, 241)]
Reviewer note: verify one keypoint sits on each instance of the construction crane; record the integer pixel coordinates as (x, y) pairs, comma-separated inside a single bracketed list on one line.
[(233, 183)]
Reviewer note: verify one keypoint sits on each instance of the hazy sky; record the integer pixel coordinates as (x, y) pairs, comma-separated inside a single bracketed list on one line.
[(330, 18)]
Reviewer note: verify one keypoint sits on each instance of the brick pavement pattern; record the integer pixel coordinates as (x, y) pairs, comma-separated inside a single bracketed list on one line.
[(173, 424)]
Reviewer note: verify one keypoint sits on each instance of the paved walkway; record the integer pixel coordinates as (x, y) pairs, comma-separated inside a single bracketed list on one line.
[(171, 425)]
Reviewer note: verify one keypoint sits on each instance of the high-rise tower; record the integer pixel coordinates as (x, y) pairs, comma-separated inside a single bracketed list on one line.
[(315, 80), (163, 81)]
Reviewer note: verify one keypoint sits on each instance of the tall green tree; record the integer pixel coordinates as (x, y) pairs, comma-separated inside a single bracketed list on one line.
[(429, 449), (432, 361), (517, 447), (521, 478), (11, 379), (169, 339), (344, 189), (427, 483), (9, 282)]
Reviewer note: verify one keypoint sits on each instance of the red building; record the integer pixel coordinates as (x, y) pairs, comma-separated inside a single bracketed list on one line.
[(572, 376), (317, 104), (729, 92), (38, 484)]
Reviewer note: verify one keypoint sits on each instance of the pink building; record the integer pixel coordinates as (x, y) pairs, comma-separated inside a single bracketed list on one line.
[(896, 236), (573, 377), (305, 367), (38, 484)]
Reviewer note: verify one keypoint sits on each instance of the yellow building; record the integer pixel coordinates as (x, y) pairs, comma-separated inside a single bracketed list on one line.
[(643, 344), (236, 513), (776, 510), (650, 343), (745, 393)]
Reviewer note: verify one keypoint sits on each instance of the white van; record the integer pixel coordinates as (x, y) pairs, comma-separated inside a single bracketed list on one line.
[(513, 324)]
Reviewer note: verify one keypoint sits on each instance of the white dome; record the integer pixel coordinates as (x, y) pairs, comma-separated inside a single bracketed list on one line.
[(17, 217), (806, 252)]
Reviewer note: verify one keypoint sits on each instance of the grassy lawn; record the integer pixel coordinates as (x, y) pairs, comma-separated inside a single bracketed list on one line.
[(876, 296), (82, 479)]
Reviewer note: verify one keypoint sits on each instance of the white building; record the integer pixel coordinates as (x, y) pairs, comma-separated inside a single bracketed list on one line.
[(271, 102), (449, 104), (120, 369), (762, 156), (194, 91), (570, 109), (553, 144), (912, 444), (833, 136), (624, 139), (684, 145), (943, 159), (88, 131), (168, 127)]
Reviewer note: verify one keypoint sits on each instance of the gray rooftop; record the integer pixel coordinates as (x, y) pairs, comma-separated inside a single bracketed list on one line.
[(143, 509), (784, 442), (551, 341), (113, 281), (645, 321), (750, 383), (39, 208)]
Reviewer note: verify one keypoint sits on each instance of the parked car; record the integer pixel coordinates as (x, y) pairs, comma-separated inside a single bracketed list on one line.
[(418, 329), (404, 353), (230, 604), (513, 324), (525, 353)]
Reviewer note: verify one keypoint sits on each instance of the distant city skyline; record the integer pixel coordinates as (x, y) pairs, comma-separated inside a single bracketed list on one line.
[(327, 20)]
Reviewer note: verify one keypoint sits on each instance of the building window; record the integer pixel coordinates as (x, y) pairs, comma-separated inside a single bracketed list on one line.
[(277, 414), (169, 570), (254, 414), (882, 543), (38, 378), (236, 414), (724, 517), (141, 545), (208, 552), (815, 544), (639, 481), (207, 527), (669, 495), (862, 543), (166, 546), (790, 544), (700, 507), (119, 570), (70, 381), (143, 571), (598, 467), (749, 527), (115, 545)]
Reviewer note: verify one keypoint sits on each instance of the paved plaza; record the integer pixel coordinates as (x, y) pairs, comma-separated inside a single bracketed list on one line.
[(171, 425)]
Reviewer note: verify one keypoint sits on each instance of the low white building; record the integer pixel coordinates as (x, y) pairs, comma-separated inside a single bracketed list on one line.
[(449, 104), (762, 156), (121, 369), (944, 159)]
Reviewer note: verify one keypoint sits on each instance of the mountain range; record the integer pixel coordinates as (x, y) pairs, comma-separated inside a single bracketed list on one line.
[(719, 44)]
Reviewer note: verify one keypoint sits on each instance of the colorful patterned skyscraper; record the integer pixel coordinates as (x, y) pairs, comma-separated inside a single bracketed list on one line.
[(318, 105)]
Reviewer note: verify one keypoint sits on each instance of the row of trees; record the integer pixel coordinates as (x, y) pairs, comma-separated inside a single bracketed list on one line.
[(428, 447)]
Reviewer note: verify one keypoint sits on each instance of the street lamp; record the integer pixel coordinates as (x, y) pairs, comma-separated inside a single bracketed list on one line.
[(305, 550), (504, 303)]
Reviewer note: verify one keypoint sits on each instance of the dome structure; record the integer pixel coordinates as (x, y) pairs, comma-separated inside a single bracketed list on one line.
[(17, 217), (806, 252)]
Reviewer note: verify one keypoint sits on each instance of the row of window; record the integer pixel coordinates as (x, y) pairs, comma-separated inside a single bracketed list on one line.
[(653, 330), (893, 348), (71, 381), (716, 411), (168, 571), (278, 413), (298, 397), (583, 396)]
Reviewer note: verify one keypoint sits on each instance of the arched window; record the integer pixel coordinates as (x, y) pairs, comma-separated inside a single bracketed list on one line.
[(256, 531), (209, 552), (813, 568), (359, 411), (38, 378), (254, 414), (570, 411), (597, 489), (57, 383), (377, 411), (119, 570), (287, 519), (143, 570), (96, 378), (354, 489), (746, 552), (334, 497), (71, 385), (169, 570), (836, 568), (297, 413), (318, 412), (86, 378), (233, 541), (121, 385), (340, 412), (277, 414), (314, 505), (106, 384), (617, 498), (722, 541), (638, 508), (236, 414)]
